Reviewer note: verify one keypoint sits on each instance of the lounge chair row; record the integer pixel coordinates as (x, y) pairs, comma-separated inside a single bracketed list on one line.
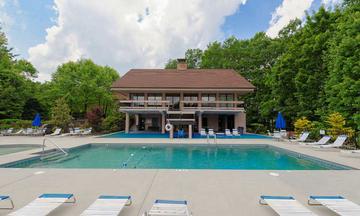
[(323, 142), (287, 205), (113, 205), (211, 133), (24, 132), (103, 205)]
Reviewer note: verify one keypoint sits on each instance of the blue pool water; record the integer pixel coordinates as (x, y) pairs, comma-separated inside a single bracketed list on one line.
[(171, 156), (196, 136)]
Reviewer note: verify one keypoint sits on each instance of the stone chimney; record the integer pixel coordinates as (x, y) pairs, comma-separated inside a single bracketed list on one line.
[(181, 65)]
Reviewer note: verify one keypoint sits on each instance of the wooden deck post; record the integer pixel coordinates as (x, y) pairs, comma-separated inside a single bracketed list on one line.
[(127, 122)]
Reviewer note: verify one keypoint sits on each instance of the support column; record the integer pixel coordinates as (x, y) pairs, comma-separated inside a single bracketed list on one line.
[(181, 104), (137, 121), (199, 122), (172, 133), (127, 122), (162, 123), (190, 131)]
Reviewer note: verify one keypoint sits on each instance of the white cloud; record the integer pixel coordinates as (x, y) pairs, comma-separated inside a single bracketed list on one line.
[(5, 20), (331, 3), (287, 11), (127, 34)]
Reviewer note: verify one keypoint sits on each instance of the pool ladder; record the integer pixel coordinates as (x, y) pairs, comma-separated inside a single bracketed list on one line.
[(52, 142)]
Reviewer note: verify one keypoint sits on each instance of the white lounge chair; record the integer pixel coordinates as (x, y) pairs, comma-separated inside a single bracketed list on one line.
[(277, 135), (107, 205), (87, 131), (211, 133), (203, 132), (285, 205), (57, 132), (44, 204), (235, 132), (227, 132), (8, 132), (340, 140), (6, 199), (169, 208), (322, 141), (338, 204), (303, 137)]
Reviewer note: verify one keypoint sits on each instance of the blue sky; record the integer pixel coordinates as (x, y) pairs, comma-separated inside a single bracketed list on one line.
[(25, 23)]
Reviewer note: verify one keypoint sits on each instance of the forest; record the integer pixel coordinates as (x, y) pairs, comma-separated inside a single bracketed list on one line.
[(310, 73)]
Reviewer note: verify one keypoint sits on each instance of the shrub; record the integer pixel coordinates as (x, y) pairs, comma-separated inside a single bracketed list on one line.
[(302, 124), (336, 123), (113, 122), (257, 128), (95, 118), (315, 130)]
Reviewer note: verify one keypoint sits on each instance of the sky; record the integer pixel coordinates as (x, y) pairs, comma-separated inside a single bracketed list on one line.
[(136, 34)]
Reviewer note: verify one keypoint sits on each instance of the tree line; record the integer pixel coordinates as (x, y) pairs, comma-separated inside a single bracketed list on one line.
[(82, 85), (311, 69)]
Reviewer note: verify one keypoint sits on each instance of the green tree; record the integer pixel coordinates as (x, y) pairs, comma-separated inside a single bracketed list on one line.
[(60, 113), (83, 84), (15, 81), (343, 60)]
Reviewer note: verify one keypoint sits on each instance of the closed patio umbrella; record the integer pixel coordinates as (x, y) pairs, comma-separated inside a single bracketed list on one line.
[(37, 120), (280, 121)]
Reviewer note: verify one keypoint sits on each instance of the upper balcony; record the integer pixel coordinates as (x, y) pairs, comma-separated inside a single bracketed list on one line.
[(188, 106)]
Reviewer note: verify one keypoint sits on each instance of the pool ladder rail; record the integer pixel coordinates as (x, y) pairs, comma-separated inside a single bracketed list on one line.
[(52, 142)]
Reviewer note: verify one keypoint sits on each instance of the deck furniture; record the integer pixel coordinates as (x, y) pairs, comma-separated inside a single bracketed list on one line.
[(303, 137), (338, 204), (203, 133), (107, 205), (211, 133), (235, 132), (57, 132), (169, 208), (340, 140), (228, 132), (44, 204), (322, 141), (285, 205), (8, 199)]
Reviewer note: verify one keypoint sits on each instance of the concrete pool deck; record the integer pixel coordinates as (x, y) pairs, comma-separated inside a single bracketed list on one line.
[(209, 192)]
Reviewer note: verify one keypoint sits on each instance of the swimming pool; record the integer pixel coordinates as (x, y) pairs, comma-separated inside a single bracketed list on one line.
[(174, 156), (9, 149), (166, 135)]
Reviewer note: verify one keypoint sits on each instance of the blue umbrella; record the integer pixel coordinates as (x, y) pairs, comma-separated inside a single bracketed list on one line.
[(37, 120), (280, 121)]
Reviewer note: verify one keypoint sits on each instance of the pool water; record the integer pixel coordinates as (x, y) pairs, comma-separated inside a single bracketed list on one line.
[(9, 149), (166, 135), (118, 156)]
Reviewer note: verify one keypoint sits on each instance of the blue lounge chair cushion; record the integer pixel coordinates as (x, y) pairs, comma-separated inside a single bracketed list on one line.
[(68, 196), (183, 202), (326, 197), (4, 197), (114, 197), (277, 197)]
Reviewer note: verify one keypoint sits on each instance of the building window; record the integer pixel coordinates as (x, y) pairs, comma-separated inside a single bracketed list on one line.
[(154, 97), (137, 97), (226, 97), (208, 100), (192, 98), (174, 100)]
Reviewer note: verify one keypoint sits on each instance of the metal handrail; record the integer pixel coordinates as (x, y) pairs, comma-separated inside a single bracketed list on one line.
[(58, 147)]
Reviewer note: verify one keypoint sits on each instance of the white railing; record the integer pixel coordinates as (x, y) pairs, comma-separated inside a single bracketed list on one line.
[(58, 147)]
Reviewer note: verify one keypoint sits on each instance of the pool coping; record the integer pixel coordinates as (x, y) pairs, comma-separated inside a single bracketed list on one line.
[(325, 163)]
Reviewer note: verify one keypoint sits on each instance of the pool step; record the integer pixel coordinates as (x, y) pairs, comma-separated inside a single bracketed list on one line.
[(52, 156)]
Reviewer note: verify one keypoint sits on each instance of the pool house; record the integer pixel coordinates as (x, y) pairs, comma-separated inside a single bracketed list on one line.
[(191, 99)]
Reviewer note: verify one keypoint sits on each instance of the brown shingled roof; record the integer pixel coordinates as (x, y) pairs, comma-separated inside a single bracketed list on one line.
[(190, 78)]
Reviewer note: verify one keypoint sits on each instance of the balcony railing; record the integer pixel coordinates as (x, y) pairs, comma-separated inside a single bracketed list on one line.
[(212, 105), (182, 105), (144, 104)]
